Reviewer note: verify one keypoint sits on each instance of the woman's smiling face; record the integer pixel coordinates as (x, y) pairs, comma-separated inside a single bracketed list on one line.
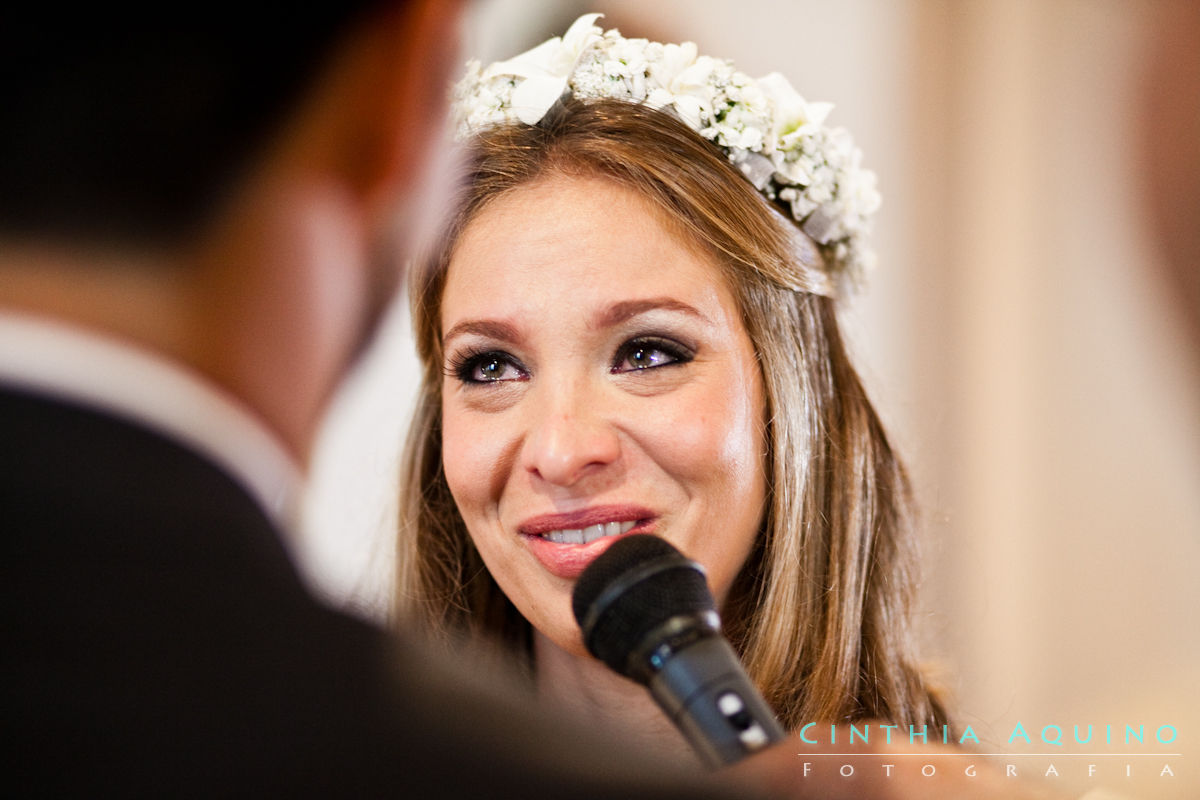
[(598, 380)]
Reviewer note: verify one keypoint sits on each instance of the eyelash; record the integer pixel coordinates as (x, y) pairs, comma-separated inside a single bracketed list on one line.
[(676, 352), (464, 365)]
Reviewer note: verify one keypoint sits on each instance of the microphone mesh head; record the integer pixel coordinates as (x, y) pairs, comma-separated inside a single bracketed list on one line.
[(631, 589)]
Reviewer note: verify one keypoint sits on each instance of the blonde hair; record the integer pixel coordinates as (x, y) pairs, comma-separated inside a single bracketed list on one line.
[(820, 612)]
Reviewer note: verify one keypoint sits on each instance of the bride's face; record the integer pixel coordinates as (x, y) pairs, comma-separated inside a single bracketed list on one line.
[(598, 381)]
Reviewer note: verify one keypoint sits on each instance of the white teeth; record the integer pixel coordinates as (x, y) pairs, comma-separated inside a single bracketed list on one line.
[(590, 533)]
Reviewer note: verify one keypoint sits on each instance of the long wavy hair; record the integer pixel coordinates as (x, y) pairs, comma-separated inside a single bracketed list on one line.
[(820, 612)]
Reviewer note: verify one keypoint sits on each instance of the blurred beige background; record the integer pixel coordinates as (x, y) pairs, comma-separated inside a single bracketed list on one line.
[(1017, 334)]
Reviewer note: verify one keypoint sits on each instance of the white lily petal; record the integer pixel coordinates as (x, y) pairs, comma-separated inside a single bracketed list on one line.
[(817, 112), (538, 61), (534, 96), (659, 97), (689, 109), (675, 59), (582, 32)]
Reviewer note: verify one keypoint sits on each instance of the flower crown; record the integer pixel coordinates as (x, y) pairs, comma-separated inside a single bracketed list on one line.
[(767, 130)]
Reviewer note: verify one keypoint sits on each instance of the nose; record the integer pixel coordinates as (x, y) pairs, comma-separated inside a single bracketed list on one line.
[(569, 437)]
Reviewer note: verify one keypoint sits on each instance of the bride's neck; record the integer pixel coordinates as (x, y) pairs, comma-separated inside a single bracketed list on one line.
[(591, 690)]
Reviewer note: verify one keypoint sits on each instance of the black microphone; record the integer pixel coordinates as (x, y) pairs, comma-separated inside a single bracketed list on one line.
[(645, 610)]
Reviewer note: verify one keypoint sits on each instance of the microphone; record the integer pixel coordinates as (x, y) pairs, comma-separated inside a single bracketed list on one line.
[(646, 611)]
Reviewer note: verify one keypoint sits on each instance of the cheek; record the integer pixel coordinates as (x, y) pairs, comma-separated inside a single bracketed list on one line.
[(467, 461), (715, 449), (715, 439), (738, 450)]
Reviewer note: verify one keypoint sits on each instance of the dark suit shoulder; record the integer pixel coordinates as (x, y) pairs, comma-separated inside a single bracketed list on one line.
[(159, 641)]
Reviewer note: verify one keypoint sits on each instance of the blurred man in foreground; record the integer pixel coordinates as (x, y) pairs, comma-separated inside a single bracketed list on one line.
[(198, 232)]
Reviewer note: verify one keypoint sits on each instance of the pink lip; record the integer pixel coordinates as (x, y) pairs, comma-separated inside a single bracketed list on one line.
[(569, 560)]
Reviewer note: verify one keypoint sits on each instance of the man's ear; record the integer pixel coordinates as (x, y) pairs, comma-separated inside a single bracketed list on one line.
[(381, 106)]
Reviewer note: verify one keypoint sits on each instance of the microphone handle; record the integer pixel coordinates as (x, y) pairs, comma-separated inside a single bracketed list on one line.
[(706, 693)]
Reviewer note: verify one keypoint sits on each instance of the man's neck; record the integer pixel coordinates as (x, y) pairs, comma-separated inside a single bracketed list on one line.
[(169, 304), (128, 295)]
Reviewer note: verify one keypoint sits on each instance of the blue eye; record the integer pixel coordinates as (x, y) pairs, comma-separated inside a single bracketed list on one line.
[(649, 353), (490, 367)]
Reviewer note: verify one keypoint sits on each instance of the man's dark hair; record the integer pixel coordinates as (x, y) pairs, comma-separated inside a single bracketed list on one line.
[(124, 130)]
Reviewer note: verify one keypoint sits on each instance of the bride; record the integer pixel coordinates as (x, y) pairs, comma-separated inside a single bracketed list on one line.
[(630, 327)]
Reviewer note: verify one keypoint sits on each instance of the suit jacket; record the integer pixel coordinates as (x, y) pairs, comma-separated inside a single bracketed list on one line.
[(157, 641)]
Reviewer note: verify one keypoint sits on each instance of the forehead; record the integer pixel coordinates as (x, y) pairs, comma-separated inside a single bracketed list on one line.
[(574, 240)]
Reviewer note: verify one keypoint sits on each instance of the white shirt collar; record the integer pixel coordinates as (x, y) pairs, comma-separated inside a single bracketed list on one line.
[(54, 359)]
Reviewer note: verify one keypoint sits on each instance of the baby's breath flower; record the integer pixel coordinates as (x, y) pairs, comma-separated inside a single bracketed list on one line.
[(777, 139)]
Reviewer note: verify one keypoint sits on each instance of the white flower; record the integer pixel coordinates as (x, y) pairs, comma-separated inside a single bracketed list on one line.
[(544, 70), (776, 138), (792, 116)]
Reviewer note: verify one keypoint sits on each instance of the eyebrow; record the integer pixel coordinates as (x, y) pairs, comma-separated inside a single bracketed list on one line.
[(489, 328), (613, 315), (620, 312)]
